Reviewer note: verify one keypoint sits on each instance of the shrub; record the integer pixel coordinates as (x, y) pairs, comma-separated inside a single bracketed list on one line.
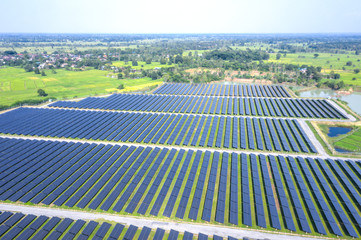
[(42, 93), (121, 86)]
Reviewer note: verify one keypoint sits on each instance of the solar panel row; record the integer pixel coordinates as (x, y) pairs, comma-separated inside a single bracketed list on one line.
[(222, 90), (169, 129), (271, 107), (20, 226), (307, 193)]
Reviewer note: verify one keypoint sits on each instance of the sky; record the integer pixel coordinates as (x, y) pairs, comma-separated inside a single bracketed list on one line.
[(180, 16)]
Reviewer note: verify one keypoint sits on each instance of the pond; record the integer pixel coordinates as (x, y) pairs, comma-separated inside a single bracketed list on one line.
[(353, 99), (340, 150), (335, 131)]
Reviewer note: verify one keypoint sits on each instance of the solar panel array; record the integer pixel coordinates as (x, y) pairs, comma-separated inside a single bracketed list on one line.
[(223, 90), (296, 194), (270, 107), (308, 195), (168, 129), (21, 226)]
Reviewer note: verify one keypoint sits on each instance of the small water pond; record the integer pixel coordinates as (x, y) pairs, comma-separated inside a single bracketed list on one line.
[(336, 131), (340, 150)]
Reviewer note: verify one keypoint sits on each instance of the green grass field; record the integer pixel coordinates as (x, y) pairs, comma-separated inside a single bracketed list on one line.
[(351, 142), (141, 65), (18, 85)]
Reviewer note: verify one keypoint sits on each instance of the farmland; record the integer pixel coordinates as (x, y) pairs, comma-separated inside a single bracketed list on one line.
[(351, 142), (18, 85)]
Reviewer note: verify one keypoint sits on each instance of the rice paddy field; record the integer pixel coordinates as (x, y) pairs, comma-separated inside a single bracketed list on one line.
[(351, 142), (18, 85)]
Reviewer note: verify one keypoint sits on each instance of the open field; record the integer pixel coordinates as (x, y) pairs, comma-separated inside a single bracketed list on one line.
[(18, 85), (351, 142)]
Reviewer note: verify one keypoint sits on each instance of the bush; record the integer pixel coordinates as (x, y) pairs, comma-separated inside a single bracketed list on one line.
[(121, 86), (42, 93)]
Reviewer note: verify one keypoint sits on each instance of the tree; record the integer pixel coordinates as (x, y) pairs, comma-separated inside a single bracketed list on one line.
[(36, 71), (53, 71), (120, 76), (10, 52), (149, 61), (42, 93), (126, 72), (28, 68), (134, 63), (43, 73), (349, 63), (316, 55), (163, 61), (121, 86), (356, 70), (178, 59), (171, 59), (278, 56), (154, 75)]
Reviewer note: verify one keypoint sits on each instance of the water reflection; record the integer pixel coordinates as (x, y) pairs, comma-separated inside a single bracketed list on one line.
[(353, 99)]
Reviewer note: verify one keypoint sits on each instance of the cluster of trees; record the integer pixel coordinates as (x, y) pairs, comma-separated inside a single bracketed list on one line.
[(333, 84), (237, 55)]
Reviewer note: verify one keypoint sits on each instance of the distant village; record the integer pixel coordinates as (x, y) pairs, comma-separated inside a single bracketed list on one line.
[(53, 60)]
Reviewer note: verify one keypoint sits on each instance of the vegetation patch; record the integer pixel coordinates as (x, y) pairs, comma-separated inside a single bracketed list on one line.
[(16, 85), (350, 142)]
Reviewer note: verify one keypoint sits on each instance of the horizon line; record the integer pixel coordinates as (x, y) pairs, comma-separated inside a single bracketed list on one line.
[(159, 33)]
